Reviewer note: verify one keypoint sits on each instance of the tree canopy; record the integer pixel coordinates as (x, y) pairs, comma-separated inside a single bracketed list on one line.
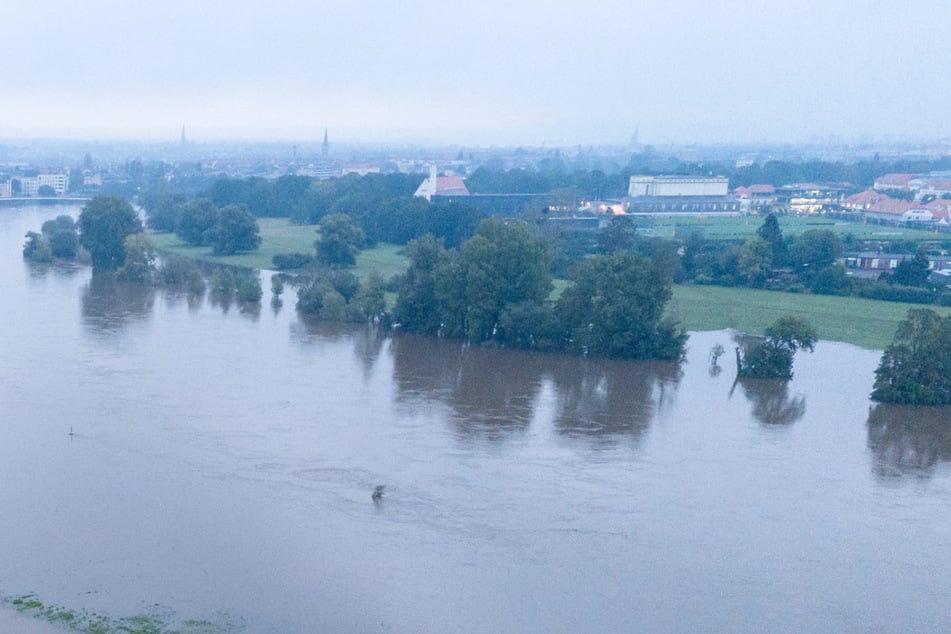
[(339, 240), (195, 222), (502, 265), (771, 357), (615, 308), (495, 290), (104, 223), (235, 230), (915, 368)]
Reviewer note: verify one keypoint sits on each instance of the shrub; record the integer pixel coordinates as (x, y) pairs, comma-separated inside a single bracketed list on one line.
[(895, 293), (248, 286), (183, 272), (37, 248), (283, 261)]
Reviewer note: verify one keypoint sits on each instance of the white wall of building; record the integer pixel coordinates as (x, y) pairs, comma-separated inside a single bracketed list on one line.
[(678, 186)]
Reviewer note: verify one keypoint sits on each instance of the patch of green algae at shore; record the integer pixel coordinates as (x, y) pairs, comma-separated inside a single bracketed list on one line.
[(158, 622)]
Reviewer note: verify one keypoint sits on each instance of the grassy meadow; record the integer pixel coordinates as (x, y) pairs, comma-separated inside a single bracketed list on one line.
[(743, 227), (863, 322), (279, 235)]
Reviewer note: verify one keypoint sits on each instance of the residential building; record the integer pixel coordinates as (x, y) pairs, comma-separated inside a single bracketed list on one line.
[(878, 207), (808, 198), (894, 181), (59, 182), (755, 198)]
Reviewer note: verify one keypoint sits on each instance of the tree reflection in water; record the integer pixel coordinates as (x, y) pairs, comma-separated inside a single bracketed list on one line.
[(59, 268), (772, 404), (609, 399), (491, 392), (367, 346), (108, 305), (251, 310), (907, 440)]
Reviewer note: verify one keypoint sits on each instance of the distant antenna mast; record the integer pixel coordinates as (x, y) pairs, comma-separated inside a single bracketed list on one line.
[(184, 139), (325, 149)]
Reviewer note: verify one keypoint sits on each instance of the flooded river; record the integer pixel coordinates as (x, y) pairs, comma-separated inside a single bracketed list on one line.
[(222, 460)]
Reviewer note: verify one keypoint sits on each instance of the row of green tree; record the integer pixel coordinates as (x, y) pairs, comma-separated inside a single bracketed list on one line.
[(496, 290), (110, 233), (200, 222), (382, 206), (807, 262)]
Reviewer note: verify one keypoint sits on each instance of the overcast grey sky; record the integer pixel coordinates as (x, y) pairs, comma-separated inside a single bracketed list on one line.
[(487, 72)]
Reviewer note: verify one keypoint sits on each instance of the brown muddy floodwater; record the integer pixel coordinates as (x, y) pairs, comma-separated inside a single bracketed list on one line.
[(223, 460)]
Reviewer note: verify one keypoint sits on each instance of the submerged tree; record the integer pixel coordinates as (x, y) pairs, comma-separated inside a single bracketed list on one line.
[(139, 266), (500, 267), (37, 247), (61, 232), (916, 368), (104, 224), (615, 308), (417, 306), (771, 357)]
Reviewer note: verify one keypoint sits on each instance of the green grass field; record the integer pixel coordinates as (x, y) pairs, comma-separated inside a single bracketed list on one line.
[(279, 235), (743, 227), (863, 322)]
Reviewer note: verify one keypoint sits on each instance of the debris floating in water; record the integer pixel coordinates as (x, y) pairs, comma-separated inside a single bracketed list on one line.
[(378, 493)]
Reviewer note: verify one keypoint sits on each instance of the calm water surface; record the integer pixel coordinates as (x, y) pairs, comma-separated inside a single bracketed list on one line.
[(223, 461)]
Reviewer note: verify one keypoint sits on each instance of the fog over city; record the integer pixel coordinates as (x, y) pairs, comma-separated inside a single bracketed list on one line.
[(478, 73)]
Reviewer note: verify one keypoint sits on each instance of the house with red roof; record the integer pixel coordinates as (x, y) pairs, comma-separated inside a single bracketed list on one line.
[(878, 207), (436, 185), (756, 197), (894, 181)]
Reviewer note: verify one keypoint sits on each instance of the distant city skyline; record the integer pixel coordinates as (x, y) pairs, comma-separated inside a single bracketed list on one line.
[(490, 73)]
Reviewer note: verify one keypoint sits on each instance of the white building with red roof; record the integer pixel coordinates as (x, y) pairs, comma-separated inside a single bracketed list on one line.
[(436, 185), (878, 207)]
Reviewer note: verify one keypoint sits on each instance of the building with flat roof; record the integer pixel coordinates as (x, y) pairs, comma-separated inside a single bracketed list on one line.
[(660, 186), (680, 194)]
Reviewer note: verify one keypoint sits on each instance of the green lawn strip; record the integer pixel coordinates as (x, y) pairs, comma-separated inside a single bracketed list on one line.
[(386, 259), (279, 235), (863, 322), (743, 227)]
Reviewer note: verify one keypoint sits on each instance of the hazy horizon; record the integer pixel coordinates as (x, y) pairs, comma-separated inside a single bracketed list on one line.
[(478, 74)]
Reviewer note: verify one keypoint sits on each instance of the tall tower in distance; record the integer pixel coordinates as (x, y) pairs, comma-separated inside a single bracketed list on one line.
[(325, 148), (184, 139)]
